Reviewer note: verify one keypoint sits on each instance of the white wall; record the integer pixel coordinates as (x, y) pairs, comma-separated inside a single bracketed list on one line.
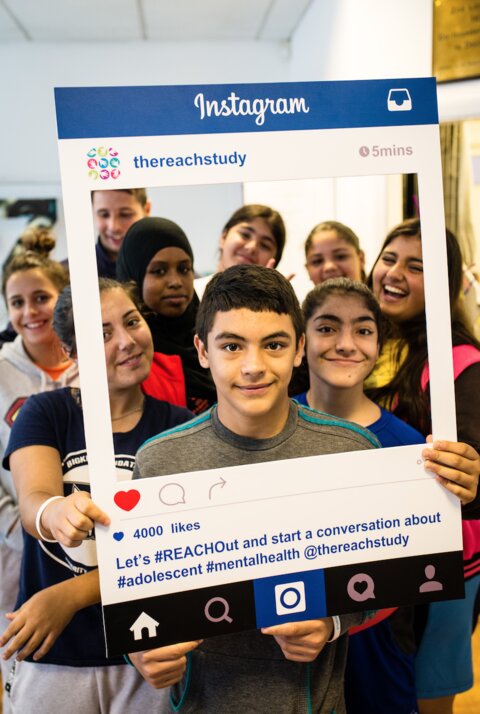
[(376, 39), (365, 203), (371, 39), (201, 211), (344, 39), (30, 72), (28, 136)]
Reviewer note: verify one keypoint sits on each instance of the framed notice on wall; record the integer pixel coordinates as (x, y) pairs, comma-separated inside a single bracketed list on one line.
[(456, 39)]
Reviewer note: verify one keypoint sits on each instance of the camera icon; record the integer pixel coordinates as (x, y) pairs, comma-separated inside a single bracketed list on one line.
[(290, 598)]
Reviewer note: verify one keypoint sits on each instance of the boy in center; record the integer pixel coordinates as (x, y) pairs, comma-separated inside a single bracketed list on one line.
[(250, 334)]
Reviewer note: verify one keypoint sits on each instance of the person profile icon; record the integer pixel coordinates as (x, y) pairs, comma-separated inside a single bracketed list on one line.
[(430, 585)]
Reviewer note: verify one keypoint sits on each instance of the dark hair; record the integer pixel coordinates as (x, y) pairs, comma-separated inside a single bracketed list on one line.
[(139, 194), (404, 393), (348, 235), (345, 287), (275, 222), (63, 319), (252, 287), (36, 244)]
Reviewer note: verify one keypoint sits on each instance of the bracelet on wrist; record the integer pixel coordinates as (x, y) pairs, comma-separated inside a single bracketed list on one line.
[(337, 628), (38, 518)]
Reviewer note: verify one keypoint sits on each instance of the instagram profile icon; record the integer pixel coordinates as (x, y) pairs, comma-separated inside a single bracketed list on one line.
[(290, 598)]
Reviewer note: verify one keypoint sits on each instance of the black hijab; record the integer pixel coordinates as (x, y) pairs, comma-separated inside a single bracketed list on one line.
[(171, 335)]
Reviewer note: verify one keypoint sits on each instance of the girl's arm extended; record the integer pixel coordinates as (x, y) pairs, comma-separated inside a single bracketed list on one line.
[(37, 473)]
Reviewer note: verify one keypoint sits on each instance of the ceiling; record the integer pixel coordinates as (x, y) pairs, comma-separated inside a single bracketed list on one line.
[(55, 21)]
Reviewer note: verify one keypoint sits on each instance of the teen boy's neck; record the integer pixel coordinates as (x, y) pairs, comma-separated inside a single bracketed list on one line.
[(255, 426)]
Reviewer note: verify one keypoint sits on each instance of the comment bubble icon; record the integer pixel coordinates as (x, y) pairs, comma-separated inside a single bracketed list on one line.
[(172, 494)]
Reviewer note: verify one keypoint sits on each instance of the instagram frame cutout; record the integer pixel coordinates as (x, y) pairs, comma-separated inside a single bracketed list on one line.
[(202, 552)]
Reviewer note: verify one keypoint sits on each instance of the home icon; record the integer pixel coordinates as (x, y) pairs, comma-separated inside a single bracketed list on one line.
[(144, 622)]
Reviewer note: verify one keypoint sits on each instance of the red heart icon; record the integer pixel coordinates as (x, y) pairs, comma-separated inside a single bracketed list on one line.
[(126, 500)]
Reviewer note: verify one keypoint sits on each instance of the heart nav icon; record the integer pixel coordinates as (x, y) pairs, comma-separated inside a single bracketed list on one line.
[(126, 500)]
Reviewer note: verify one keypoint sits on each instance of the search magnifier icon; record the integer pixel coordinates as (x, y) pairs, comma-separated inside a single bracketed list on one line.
[(223, 614)]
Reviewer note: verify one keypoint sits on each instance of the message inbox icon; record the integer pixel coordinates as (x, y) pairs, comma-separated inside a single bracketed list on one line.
[(290, 598), (399, 100)]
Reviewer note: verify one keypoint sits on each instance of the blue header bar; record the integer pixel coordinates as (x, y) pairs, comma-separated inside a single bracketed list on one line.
[(91, 112)]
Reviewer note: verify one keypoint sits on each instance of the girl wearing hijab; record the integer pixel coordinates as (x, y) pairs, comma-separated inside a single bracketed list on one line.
[(158, 257)]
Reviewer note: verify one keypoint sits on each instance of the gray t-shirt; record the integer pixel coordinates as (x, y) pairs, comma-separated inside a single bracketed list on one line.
[(247, 671), (204, 443)]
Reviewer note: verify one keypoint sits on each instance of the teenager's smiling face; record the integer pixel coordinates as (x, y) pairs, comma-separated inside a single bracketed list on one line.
[(248, 243), (31, 298), (168, 283), (251, 356), (342, 342), (398, 279), (331, 256), (114, 212), (127, 339)]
